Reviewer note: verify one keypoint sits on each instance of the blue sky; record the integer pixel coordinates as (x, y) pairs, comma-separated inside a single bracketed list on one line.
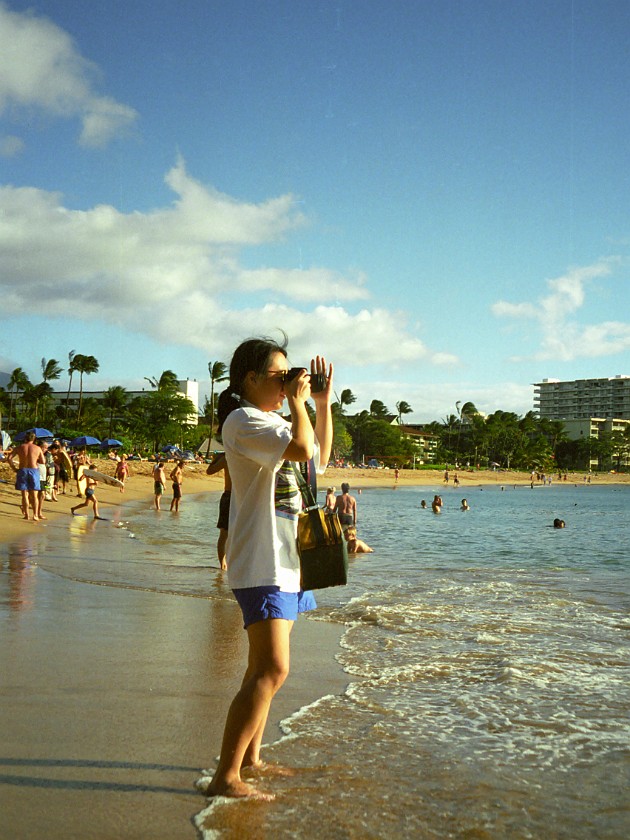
[(434, 195)]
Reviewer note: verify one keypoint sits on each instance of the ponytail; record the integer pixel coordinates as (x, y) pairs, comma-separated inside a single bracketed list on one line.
[(228, 401)]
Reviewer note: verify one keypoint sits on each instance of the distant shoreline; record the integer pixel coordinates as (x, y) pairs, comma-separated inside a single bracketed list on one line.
[(140, 487)]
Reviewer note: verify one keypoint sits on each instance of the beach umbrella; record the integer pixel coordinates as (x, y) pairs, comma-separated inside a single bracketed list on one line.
[(110, 443), (39, 433), (85, 440), (170, 448)]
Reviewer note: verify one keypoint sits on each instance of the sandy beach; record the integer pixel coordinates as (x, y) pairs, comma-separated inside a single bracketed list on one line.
[(113, 699)]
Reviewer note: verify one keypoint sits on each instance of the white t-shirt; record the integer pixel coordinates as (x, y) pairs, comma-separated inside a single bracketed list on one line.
[(265, 501)]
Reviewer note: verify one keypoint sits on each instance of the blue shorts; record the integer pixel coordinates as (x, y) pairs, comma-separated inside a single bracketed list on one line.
[(259, 603), (27, 478)]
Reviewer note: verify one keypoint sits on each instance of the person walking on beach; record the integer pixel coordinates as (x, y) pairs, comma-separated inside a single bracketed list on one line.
[(90, 495), (346, 507), (177, 477), (29, 456), (122, 471), (159, 483), (220, 463), (263, 562)]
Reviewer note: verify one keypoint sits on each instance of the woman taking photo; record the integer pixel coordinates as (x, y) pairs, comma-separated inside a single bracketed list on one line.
[(262, 557)]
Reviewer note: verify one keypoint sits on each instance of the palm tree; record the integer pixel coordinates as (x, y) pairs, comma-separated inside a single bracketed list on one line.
[(403, 407), (84, 364), (51, 369), (168, 381), (379, 410), (34, 394), (18, 381), (71, 370), (115, 398), (218, 373), (346, 398)]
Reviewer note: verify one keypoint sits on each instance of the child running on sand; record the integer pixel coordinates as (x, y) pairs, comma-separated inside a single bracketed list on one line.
[(90, 496)]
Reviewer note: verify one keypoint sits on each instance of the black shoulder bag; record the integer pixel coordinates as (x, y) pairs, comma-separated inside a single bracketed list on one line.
[(321, 543)]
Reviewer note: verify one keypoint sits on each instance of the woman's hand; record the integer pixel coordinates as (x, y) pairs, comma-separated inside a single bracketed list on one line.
[(299, 388), (318, 366)]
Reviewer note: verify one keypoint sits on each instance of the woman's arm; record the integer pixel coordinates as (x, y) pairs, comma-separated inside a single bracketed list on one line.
[(323, 413), (302, 436)]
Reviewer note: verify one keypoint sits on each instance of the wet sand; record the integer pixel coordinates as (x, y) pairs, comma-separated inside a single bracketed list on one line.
[(114, 699)]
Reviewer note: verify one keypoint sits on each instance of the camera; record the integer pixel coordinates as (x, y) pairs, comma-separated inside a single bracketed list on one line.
[(318, 380)]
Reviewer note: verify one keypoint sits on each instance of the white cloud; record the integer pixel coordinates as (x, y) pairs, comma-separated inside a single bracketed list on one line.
[(560, 335), (41, 68), (174, 274)]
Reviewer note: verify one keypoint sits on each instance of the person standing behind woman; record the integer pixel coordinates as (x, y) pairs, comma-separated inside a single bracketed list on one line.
[(220, 463), (329, 504), (177, 477), (346, 507), (263, 562)]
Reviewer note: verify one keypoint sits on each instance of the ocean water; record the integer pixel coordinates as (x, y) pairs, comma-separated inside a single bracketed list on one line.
[(487, 653), (489, 659)]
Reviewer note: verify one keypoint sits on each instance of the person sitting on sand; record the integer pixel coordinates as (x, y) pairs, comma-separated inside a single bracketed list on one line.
[(90, 495), (355, 545), (465, 505)]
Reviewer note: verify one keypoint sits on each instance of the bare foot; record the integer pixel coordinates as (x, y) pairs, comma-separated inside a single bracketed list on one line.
[(233, 790), (268, 769)]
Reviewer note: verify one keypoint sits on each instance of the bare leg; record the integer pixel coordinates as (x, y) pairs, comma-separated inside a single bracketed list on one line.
[(223, 534), (266, 671)]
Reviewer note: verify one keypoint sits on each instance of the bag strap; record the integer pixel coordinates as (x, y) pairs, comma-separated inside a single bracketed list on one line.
[(308, 499)]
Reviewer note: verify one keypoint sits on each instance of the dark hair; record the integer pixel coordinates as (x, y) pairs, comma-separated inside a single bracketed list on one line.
[(252, 354)]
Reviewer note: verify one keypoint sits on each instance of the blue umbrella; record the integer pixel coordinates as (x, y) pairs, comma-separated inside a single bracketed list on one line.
[(39, 433), (170, 448), (110, 443), (85, 440)]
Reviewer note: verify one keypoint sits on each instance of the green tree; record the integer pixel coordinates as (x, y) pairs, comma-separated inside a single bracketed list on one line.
[(51, 369), (403, 407), (379, 410), (346, 398), (33, 396), (71, 370), (158, 416), (115, 399), (218, 373), (18, 383), (84, 365), (167, 382)]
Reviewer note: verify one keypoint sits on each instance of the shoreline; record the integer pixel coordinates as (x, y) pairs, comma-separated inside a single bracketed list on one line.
[(114, 699), (139, 487)]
